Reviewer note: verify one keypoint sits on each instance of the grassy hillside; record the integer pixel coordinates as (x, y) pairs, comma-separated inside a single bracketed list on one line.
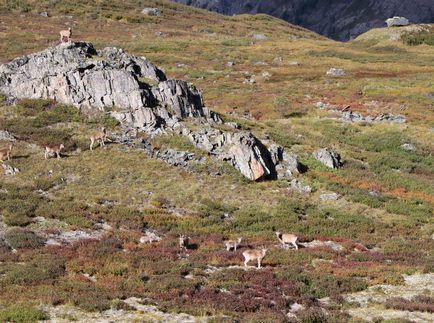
[(383, 220)]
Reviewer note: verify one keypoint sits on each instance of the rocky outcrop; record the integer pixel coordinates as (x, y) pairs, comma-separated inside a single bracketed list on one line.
[(286, 163), (397, 21), (328, 157), (242, 149), (350, 116), (77, 74)]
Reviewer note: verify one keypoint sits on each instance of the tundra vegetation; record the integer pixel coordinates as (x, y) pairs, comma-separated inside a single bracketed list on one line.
[(383, 219)]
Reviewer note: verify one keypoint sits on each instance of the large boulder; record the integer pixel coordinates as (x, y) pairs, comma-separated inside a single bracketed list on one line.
[(286, 162), (242, 149), (397, 21), (328, 157), (76, 74)]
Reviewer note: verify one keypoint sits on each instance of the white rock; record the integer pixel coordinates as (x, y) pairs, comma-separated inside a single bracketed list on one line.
[(151, 11), (336, 72), (397, 21)]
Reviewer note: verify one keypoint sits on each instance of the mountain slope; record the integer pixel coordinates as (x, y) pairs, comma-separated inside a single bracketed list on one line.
[(337, 19)]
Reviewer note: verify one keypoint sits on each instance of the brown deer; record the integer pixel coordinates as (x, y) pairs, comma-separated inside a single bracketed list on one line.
[(53, 149), (255, 254), (233, 244), (287, 238), (99, 136), (65, 34), (6, 153)]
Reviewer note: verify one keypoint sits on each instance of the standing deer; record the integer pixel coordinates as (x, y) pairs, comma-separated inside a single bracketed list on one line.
[(255, 254), (233, 244), (183, 242), (53, 149), (99, 136), (6, 152), (286, 238), (65, 34)]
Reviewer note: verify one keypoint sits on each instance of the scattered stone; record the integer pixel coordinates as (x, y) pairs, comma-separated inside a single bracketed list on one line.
[(250, 80), (409, 147), (318, 243), (6, 136), (296, 185), (278, 60), (234, 125), (149, 237), (266, 75), (151, 11), (294, 63), (335, 72), (397, 21), (10, 170), (328, 157), (259, 37), (230, 64), (331, 196), (349, 116)]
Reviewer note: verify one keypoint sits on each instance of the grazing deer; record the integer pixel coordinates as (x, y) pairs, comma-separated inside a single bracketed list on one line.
[(255, 254), (233, 244), (65, 34), (183, 242), (6, 152), (99, 136), (286, 238), (53, 149)]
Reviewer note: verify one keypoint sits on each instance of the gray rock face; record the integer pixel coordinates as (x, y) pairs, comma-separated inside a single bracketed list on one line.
[(76, 74), (397, 21), (341, 20), (242, 149), (328, 157), (286, 163)]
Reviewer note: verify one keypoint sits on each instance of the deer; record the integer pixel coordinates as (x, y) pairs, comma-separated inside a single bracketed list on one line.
[(183, 242), (6, 153), (99, 136), (233, 244), (287, 238), (254, 254), (53, 149), (65, 34)]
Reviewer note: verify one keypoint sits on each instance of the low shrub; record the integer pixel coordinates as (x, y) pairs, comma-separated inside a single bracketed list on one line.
[(22, 313), (419, 303), (19, 238)]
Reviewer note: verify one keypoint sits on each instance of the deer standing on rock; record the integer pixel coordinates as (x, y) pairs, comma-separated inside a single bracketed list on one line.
[(65, 34), (255, 254), (286, 238), (6, 153), (99, 136)]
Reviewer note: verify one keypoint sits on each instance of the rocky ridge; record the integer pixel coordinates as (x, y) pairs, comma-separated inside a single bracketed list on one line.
[(139, 95)]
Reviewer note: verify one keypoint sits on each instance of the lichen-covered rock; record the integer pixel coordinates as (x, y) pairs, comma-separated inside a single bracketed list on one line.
[(242, 149), (296, 185), (77, 74), (286, 163), (335, 72), (328, 157)]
